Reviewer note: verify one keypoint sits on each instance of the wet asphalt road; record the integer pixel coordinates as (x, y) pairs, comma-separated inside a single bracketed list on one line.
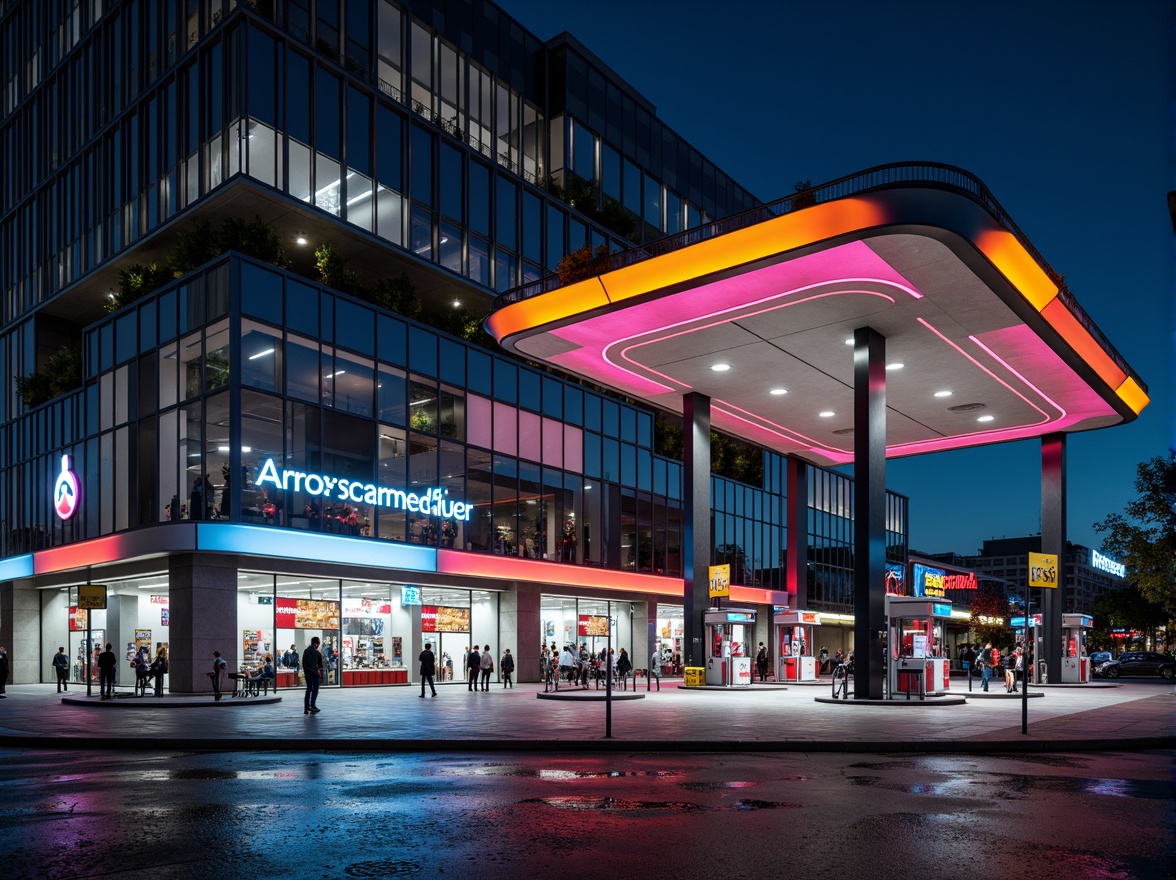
[(294, 815)]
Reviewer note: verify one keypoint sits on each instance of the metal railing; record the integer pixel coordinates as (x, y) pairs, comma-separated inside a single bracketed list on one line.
[(932, 175)]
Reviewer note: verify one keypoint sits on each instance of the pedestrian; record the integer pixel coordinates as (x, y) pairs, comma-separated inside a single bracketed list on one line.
[(159, 668), (3, 671), (106, 666), (312, 671), (823, 656), (624, 667), (1010, 667), (655, 665), (428, 669), (567, 665), (984, 661), (61, 667), (487, 664), (473, 669), (217, 676), (761, 661), (506, 664)]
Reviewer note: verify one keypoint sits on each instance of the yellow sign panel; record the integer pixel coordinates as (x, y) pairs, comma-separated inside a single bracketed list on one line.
[(92, 597), (720, 580), (1043, 570)]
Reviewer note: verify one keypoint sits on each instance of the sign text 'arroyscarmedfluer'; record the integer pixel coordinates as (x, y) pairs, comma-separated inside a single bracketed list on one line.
[(431, 502)]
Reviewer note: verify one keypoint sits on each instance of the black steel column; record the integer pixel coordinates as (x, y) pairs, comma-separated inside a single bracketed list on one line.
[(696, 531), (869, 512), (796, 522), (1053, 540)]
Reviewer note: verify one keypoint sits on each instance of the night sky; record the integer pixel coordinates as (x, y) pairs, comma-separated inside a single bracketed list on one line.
[(1064, 109)]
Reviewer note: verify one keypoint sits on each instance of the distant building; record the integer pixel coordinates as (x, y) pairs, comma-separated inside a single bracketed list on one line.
[(1089, 574)]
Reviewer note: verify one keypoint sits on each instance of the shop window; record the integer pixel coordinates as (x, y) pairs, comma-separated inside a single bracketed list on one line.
[(390, 395), (451, 413), (392, 472), (261, 440), (302, 366), (303, 609)]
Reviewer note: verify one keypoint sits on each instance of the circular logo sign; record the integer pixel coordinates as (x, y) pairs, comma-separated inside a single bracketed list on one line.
[(67, 495)]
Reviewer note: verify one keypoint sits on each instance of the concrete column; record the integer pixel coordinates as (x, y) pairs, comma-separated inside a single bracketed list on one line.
[(796, 523), (508, 631), (651, 634), (20, 631), (696, 522), (203, 603), (1053, 540), (869, 512), (122, 617), (642, 647), (528, 635)]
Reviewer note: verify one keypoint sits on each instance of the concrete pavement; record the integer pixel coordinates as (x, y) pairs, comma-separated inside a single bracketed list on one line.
[(1131, 715)]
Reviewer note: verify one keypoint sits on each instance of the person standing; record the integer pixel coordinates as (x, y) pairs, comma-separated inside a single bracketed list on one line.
[(159, 669), (761, 662), (312, 671), (984, 661), (624, 667), (428, 669), (655, 666), (106, 666), (61, 667), (217, 676), (506, 664), (487, 665), (473, 669), (967, 658)]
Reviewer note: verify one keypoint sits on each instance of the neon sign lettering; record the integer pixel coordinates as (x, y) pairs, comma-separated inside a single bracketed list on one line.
[(431, 502), (1105, 563)]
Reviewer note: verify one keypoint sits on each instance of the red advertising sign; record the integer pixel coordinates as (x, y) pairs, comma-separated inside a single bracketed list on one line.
[(306, 614), (77, 619), (592, 625), (439, 618)]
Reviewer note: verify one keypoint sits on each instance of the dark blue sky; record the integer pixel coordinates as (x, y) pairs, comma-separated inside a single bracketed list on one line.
[(1065, 111)]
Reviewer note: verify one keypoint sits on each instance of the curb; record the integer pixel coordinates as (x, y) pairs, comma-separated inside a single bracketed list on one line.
[(963, 747)]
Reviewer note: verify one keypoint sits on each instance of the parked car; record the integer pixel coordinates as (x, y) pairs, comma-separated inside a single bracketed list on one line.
[(1098, 658), (1139, 663)]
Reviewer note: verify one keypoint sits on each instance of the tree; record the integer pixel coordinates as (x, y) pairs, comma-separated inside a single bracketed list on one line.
[(135, 282), (398, 295), (198, 243), (582, 263), (990, 618), (62, 373), (805, 197), (1127, 610), (1145, 539), (333, 270)]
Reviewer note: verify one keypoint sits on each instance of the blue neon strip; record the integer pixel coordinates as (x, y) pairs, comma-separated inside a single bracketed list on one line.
[(16, 567), (311, 546)]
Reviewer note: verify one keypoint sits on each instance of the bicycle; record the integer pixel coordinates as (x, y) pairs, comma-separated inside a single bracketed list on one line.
[(841, 675)]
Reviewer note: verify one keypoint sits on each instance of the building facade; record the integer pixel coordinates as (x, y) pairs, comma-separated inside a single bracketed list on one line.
[(253, 457)]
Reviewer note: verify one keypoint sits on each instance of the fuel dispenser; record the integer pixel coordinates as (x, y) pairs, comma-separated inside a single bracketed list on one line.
[(1075, 662), (794, 645), (914, 657), (728, 633)]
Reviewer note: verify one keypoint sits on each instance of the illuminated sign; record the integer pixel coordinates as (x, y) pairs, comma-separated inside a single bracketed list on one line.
[(958, 581), (438, 618), (158, 600), (894, 579), (592, 625), (67, 492), (429, 501), (720, 580), (92, 596), (1043, 570), (941, 609), (928, 581), (1105, 563), (410, 595), (737, 616), (306, 614), (985, 620)]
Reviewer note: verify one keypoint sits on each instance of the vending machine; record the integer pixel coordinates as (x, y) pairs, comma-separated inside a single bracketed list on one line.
[(794, 645)]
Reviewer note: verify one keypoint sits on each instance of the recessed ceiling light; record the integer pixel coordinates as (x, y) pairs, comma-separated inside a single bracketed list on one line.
[(849, 341), (776, 392), (457, 303), (985, 418), (943, 394), (301, 239), (827, 414), (896, 366), (720, 368)]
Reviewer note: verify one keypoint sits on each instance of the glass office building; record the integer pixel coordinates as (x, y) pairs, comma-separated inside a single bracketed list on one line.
[(255, 457)]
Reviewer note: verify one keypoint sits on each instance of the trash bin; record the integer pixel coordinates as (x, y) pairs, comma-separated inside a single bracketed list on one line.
[(695, 676)]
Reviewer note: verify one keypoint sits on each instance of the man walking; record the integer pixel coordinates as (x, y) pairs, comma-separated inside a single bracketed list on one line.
[(473, 668), (428, 669), (61, 667), (106, 665), (312, 671)]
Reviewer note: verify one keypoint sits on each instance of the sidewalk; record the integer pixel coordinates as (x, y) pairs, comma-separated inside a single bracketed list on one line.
[(1135, 715)]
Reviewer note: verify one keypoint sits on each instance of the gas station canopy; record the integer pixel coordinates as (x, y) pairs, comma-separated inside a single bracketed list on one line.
[(758, 313)]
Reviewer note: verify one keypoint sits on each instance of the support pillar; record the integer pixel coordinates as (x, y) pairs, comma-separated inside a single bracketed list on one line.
[(696, 522), (20, 631), (202, 595), (869, 513), (796, 523), (528, 632), (1053, 540)]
